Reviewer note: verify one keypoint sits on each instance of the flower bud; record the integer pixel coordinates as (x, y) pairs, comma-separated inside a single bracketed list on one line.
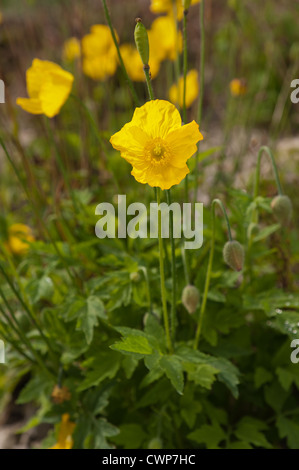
[(186, 4), (141, 41), (282, 209), (190, 298), (135, 276), (233, 254), (155, 443)]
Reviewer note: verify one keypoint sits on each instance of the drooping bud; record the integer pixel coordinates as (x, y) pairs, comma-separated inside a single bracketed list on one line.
[(282, 209), (135, 276), (190, 298), (233, 254), (141, 41), (253, 230)]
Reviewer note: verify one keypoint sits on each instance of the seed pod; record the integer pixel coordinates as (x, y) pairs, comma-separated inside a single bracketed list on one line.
[(141, 41), (186, 4), (282, 209), (190, 298), (233, 254)]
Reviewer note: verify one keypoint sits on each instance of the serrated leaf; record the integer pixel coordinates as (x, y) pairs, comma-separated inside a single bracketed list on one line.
[(290, 430), (173, 369), (201, 374), (133, 345), (250, 430), (210, 435)]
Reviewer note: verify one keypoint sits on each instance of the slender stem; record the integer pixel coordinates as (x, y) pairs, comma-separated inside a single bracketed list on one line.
[(258, 169), (162, 276), (186, 272), (146, 276), (122, 65), (209, 270), (173, 271), (25, 306), (201, 85), (185, 69), (147, 74)]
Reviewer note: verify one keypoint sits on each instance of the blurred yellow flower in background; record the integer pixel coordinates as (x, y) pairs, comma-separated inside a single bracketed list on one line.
[(166, 6), (99, 53), (157, 145), (166, 38), (48, 87), (19, 237), (192, 88), (65, 440), (133, 62), (71, 49), (238, 87)]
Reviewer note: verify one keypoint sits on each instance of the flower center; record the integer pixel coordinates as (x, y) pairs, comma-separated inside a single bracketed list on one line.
[(157, 151)]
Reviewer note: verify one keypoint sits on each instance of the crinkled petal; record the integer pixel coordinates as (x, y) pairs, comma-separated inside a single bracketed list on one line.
[(182, 143), (55, 92), (163, 178), (130, 141), (158, 118)]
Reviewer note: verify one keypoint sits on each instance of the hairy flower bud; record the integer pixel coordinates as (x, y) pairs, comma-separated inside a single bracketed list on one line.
[(190, 298), (233, 254), (186, 4), (141, 41), (282, 209), (155, 443), (135, 276)]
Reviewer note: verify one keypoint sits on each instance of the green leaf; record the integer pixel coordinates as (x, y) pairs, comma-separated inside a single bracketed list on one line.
[(173, 369), (210, 435), (262, 376), (290, 430), (266, 232), (103, 429), (39, 385), (201, 374), (40, 289), (133, 345), (249, 430), (131, 436), (104, 365)]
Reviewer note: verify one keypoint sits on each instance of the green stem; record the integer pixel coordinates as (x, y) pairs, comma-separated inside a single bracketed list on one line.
[(186, 272), (209, 270), (162, 276), (122, 65), (185, 69), (201, 85), (146, 276), (173, 271), (150, 90), (258, 169)]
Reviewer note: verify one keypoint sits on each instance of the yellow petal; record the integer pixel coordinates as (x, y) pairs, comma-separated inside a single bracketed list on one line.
[(157, 117), (183, 143), (32, 106), (55, 92)]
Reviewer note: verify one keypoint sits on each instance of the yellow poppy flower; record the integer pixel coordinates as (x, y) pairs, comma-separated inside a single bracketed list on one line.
[(166, 38), (166, 6), (71, 49), (48, 87), (238, 87), (157, 145), (65, 440), (176, 92), (133, 63), (19, 237), (99, 53)]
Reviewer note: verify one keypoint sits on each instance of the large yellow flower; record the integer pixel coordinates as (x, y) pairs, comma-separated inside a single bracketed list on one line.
[(65, 440), (157, 145), (99, 53), (166, 6), (19, 238), (48, 87), (176, 92), (166, 38)]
